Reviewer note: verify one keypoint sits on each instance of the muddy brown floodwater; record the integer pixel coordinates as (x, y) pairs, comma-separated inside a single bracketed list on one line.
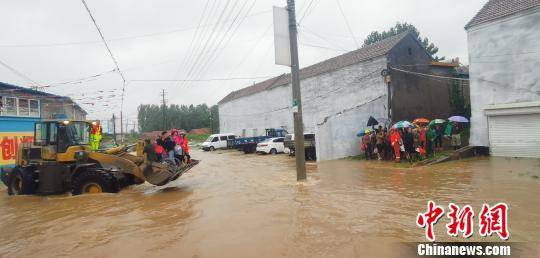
[(236, 205)]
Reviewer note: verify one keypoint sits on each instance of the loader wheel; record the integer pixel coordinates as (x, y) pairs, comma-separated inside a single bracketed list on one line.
[(94, 181), (20, 182)]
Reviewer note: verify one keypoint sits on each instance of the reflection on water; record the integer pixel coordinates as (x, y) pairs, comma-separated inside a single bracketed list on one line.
[(233, 204)]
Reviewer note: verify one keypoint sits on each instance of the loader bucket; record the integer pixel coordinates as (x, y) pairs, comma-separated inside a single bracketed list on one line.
[(162, 173)]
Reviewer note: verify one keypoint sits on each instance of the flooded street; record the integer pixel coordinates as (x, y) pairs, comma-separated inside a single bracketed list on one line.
[(236, 205)]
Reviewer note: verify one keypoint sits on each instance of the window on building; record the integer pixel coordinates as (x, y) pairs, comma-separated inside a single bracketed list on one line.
[(409, 50), (24, 107), (34, 107), (10, 106)]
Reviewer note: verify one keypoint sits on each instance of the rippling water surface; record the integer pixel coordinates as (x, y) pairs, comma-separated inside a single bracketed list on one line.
[(239, 205)]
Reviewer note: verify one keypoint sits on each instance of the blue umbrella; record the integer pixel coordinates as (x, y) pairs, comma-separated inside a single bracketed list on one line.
[(459, 119), (364, 132)]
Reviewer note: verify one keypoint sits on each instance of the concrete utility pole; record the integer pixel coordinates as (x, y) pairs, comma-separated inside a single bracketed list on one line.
[(121, 128), (114, 128), (163, 94), (297, 99)]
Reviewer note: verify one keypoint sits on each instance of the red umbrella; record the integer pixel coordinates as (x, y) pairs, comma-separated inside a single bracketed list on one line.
[(421, 121)]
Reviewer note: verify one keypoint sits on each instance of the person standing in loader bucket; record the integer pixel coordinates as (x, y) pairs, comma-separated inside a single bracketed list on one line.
[(95, 135)]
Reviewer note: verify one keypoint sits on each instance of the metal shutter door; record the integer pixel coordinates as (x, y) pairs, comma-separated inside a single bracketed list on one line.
[(515, 135)]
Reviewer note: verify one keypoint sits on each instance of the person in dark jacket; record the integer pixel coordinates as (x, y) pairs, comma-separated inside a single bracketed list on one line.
[(168, 145), (408, 142)]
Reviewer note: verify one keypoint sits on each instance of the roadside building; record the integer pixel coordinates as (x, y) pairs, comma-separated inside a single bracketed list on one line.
[(341, 93), (504, 58), (20, 107)]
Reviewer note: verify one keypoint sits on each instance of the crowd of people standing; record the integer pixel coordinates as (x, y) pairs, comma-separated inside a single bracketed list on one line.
[(413, 144), (172, 146)]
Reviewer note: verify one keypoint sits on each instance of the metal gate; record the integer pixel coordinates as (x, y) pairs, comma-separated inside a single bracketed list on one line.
[(515, 135)]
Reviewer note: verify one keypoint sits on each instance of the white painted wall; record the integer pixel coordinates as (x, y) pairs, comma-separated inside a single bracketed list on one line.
[(336, 106), (504, 58)]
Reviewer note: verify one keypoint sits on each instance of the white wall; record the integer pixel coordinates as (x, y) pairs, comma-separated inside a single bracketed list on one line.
[(336, 106), (504, 58)]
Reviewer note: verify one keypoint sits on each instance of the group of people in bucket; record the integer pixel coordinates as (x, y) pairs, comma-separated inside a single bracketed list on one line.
[(173, 146), (415, 141)]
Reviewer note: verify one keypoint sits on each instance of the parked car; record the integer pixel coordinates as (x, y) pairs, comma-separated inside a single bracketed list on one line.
[(249, 144), (218, 141), (309, 145), (271, 146)]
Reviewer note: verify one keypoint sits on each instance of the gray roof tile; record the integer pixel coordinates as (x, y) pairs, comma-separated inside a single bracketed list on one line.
[(362, 54), (495, 9)]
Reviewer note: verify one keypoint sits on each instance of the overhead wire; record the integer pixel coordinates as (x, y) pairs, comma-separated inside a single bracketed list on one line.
[(211, 38), (146, 35), (200, 80), (124, 84), (203, 40), (195, 36), (214, 46), (215, 56), (347, 23), (20, 74), (306, 11)]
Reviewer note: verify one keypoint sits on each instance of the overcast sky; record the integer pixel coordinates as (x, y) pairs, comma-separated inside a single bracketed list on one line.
[(55, 41)]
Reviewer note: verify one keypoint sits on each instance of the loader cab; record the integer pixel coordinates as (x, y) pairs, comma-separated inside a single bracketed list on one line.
[(53, 138)]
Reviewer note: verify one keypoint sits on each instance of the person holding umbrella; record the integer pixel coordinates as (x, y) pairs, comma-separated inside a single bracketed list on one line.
[(456, 130)]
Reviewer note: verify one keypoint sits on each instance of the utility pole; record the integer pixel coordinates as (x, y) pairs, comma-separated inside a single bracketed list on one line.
[(121, 128), (164, 103), (114, 128), (211, 122), (297, 98)]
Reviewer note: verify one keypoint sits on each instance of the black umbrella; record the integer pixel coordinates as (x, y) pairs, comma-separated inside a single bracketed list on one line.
[(372, 121)]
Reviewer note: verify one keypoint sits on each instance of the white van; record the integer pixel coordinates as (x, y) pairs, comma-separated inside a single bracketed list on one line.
[(217, 141)]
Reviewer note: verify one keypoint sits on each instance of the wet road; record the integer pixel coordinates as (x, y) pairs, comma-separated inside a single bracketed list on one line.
[(236, 205)]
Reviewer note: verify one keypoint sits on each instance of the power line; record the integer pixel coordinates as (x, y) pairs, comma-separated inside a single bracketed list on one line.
[(347, 22), (217, 53), (304, 29), (20, 74), (208, 57), (146, 35), (248, 54), (306, 11), (209, 39), (104, 41), (201, 80), (193, 39), (317, 46), (429, 75)]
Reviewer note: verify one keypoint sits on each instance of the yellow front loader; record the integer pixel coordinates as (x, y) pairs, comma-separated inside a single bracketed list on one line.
[(60, 160)]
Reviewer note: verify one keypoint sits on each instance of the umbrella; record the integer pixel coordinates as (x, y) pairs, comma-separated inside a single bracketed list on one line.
[(459, 119), (403, 124), (372, 121), (364, 132), (421, 121), (436, 121)]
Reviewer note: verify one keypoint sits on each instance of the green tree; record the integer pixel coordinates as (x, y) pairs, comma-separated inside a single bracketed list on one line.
[(377, 36), (155, 118)]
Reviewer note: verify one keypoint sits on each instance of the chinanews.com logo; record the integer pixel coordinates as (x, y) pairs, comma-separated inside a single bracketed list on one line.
[(492, 222)]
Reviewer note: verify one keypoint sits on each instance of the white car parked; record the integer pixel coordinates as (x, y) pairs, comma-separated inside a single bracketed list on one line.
[(217, 141), (271, 146)]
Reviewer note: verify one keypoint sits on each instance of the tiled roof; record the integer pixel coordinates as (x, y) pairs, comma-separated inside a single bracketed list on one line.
[(363, 54), (10, 88), (495, 9)]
